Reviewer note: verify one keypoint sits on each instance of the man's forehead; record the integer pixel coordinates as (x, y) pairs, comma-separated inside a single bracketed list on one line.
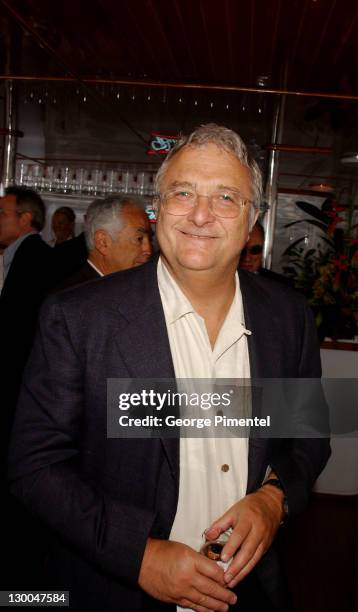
[(8, 201), (60, 215), (256, 236), (193, 151), (205, 162)]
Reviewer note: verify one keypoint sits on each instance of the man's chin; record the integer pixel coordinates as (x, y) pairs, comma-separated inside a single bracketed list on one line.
[(247, 268), (196, 263)]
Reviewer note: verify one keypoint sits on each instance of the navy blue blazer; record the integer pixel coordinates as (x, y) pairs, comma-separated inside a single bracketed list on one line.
[(25, 287), (104, 497)]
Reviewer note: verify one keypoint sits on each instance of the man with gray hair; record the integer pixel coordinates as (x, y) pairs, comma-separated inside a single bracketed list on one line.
[(118, 237), (130, 513)]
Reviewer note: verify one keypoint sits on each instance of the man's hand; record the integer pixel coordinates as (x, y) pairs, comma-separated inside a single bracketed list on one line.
[(175, 573), (254, 520)]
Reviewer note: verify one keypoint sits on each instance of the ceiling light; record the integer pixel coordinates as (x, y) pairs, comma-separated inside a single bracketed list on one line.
[(262, 81), (349, 158), (321, 187)]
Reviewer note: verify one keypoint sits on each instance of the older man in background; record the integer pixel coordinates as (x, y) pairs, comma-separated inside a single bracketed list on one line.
[(118, 236)]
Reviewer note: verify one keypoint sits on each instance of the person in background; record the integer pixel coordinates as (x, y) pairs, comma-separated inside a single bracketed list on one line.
[(27, 277), (63, 225), (118, 236), (129, 514), (69, 256), (251, 256)]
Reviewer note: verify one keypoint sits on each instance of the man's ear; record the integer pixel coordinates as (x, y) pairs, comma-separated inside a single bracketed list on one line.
[(102, 241), (25, 220)]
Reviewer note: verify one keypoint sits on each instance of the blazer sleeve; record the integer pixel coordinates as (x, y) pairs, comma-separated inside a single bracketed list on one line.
[(299, 461), (44, 464)]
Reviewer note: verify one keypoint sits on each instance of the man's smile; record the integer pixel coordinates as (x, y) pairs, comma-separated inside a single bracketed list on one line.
[(190, 234)]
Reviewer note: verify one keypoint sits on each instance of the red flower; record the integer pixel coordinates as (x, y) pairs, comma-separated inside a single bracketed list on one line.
[(341, 262)]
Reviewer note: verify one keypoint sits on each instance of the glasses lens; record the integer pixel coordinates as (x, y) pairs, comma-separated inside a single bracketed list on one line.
[(226, 203), (179, 202), (256, 249)]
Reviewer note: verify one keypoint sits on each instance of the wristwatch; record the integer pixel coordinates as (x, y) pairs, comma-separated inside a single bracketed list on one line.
[(275, 482)]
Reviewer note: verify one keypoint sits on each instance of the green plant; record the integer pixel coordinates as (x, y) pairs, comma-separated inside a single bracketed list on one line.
[(328, 274)]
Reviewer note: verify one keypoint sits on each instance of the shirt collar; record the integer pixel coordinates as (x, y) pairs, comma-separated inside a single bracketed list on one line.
[(233, 327), (94, 267), (175, 303)]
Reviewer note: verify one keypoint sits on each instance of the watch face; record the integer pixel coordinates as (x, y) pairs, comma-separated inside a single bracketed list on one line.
[(212, 550)]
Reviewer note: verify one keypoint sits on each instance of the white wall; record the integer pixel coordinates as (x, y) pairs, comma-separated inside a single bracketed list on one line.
[(340, 476)]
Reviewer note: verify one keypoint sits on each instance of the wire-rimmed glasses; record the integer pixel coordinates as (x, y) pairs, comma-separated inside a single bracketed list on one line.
[(226, 203)]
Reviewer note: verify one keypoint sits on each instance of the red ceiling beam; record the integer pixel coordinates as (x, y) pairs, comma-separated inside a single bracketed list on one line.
[(299, 149), (171, 85)]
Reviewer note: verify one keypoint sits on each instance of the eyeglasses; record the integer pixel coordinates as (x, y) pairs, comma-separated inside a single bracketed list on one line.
[(255, 249), (226, 203)]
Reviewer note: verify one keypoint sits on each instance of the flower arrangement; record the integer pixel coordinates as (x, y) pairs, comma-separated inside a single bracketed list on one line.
[(328, 274)]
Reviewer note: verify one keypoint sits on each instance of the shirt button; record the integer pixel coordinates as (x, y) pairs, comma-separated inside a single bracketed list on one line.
[(225, 467)]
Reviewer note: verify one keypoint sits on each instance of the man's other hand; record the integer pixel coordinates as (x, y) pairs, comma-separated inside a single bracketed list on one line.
[(175, 573)]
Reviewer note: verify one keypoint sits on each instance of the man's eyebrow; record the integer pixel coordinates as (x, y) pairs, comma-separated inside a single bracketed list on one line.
[(176, 184), (229, 188), (181, 184)]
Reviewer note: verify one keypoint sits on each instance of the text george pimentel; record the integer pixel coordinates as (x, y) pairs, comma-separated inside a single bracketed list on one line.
[(197, 422)]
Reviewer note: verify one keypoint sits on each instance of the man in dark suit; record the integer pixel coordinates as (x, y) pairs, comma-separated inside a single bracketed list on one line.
[(251, 256), (69, 256), (118, 237), (27, 277), (128, 514)]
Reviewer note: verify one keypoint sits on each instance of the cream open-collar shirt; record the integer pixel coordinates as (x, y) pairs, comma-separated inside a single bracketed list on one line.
[(213, 471)]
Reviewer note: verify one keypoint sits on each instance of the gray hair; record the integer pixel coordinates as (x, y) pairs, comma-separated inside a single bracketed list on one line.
[(224, 138), (105, 214)]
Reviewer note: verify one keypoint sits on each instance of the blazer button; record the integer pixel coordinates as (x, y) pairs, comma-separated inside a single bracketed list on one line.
[(225, 467)]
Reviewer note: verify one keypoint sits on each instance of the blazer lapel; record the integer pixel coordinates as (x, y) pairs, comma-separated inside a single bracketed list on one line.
[(144, 343), (261, 347)]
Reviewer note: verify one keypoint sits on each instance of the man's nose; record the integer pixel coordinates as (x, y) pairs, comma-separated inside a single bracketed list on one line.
[(147, 248), (246, 255), (201, 213)]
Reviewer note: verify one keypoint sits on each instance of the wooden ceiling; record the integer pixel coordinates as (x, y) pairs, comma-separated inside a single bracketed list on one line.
[(218, 42)]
